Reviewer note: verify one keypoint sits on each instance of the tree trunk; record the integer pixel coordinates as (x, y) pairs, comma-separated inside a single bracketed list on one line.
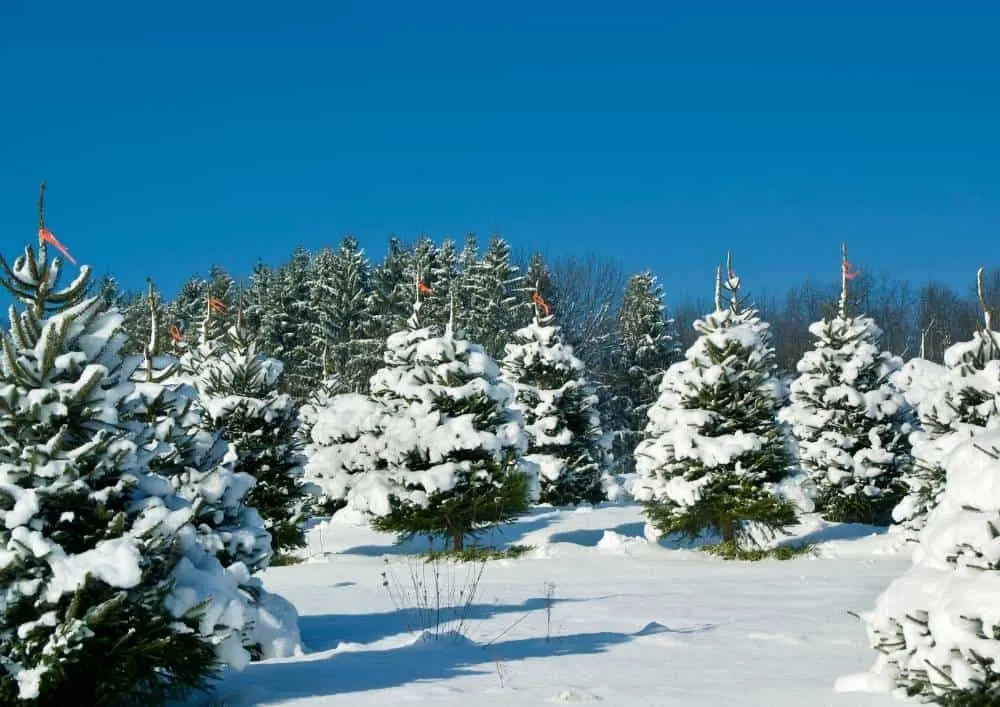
[(728, 530), (457, 540)]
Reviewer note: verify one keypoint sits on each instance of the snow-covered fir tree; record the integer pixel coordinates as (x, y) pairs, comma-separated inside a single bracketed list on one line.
[(346, 452), (391, 292), (105, 595), (355, 351), (187, 309), (449, 462), (715, 450), (850, 423), (296, 323), (936, 629), (238, 392), (647, 346), (559, 407), (955, 403), (173, 441), (539, 275), (445, 281), (497, 298)]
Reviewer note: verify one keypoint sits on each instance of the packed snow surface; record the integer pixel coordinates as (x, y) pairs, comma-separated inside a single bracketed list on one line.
[(630, 621)]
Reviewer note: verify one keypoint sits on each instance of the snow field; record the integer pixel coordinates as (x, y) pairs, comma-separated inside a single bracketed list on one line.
[(631, 622)]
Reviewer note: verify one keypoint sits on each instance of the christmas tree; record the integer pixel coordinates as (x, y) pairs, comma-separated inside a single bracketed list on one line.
[(964, 401), (715, 450), (346, 451), (496, 298), (647, 346), (850, 422), (559, 407), (239, 395), (106, 595), (936, 628), (354, 352), (449, 465)]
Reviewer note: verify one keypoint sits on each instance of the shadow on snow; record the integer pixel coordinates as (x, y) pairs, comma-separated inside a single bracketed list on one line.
[(324, 632), (447, 657)]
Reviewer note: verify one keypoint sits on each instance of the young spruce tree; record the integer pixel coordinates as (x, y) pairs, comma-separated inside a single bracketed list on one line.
[(963, 401), (451, 460), (849, 421), (935, 628), (559, 406), (238, 387), (647, 346), (714, 449), (105, 598)]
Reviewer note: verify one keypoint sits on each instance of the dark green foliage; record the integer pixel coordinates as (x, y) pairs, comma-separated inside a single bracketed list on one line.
[(722, 403), (478, 553), (647, 346), (728, 503), (262, 425), (467, 509), (561, 418), (450, 380), (96, 641), (733, 551)]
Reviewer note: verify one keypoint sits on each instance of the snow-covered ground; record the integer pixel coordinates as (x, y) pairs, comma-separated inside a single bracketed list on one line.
[(632, 622)]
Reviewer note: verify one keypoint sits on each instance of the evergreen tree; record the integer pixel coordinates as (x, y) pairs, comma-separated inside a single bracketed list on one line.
[(559, 407), (496, 300), (198, 463), (849, 421), (391, 292), (963, 402), (935, 628), (714, 449), (345, 453), (240, 398), (450, 456), (259, 313), (647, 346), (295, 321), (539, 277), (103, 597), (354, 353), (445, 280), (187, 310)]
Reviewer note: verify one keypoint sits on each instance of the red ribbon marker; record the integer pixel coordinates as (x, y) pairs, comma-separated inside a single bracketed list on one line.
[(46, 236)]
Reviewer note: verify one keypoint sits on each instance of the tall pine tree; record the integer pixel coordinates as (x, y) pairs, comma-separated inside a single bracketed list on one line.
[(647, 346)]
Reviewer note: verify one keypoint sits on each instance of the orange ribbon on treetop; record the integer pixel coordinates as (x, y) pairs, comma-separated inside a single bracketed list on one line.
[(537, 298), (848, 273), (46, 236), (217, 304), (175, 333), (423, 289)]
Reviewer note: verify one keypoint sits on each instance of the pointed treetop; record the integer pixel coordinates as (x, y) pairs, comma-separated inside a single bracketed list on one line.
[(541, 306), (846, 273), (44, 234), (732, 283), (33, 279), (718, 288), (987, 310), (41, 206)]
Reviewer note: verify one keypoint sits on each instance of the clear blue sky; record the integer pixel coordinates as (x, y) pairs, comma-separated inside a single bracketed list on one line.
[(178, 134)]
